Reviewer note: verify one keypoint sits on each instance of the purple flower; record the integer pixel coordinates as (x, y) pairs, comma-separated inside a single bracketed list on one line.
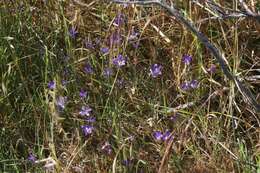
[(194, 84), (73, 32), (51, 85), (157, 135), (85, 110), (104, 50), (156, 70), (31, 158), (166, 135), (88, 68), (107, 148), (61, 101), (119, 19), (174, 117), (83, 93), (119, 61), (187, 59), (91, 119), (108, 72), (127, 162), (212, 68), (185, 86), (87, 129)]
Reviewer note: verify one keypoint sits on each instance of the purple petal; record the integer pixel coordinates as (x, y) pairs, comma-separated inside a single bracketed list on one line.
[(119, 61), (31, 158), (88, 69), (85, 111), (83, 93), (187, 59), (104, 50), (157, 135), (87, 129), (51, 85), (194, 84), (156, 70)]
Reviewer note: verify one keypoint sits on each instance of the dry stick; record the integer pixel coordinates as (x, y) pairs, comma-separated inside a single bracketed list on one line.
[(217, 54)]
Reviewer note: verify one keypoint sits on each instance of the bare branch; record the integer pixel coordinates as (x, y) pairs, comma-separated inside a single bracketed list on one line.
[(140, 2)]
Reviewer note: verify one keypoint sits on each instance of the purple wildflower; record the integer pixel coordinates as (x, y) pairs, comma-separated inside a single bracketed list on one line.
[(87, 129), (83, 93), (156, 70), (166, 135), (51, 85), (127, 162), (88, 69), (194, 84), (104, 50), (91, 119), (73, 32), (212, 68), (119, 19), (174, 117), (157, 135), (61, 101), (31, 158), (108, 72), (119, 61), (85, 110), (185, 86), (187, 59)]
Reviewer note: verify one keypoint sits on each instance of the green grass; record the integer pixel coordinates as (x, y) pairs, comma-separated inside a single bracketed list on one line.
[(218, 133)]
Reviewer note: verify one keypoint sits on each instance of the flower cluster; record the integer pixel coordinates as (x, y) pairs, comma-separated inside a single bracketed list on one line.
[(189, 85), (159, 136)]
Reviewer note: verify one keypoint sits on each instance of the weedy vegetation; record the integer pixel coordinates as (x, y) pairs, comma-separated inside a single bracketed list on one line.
[(128, 86)]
